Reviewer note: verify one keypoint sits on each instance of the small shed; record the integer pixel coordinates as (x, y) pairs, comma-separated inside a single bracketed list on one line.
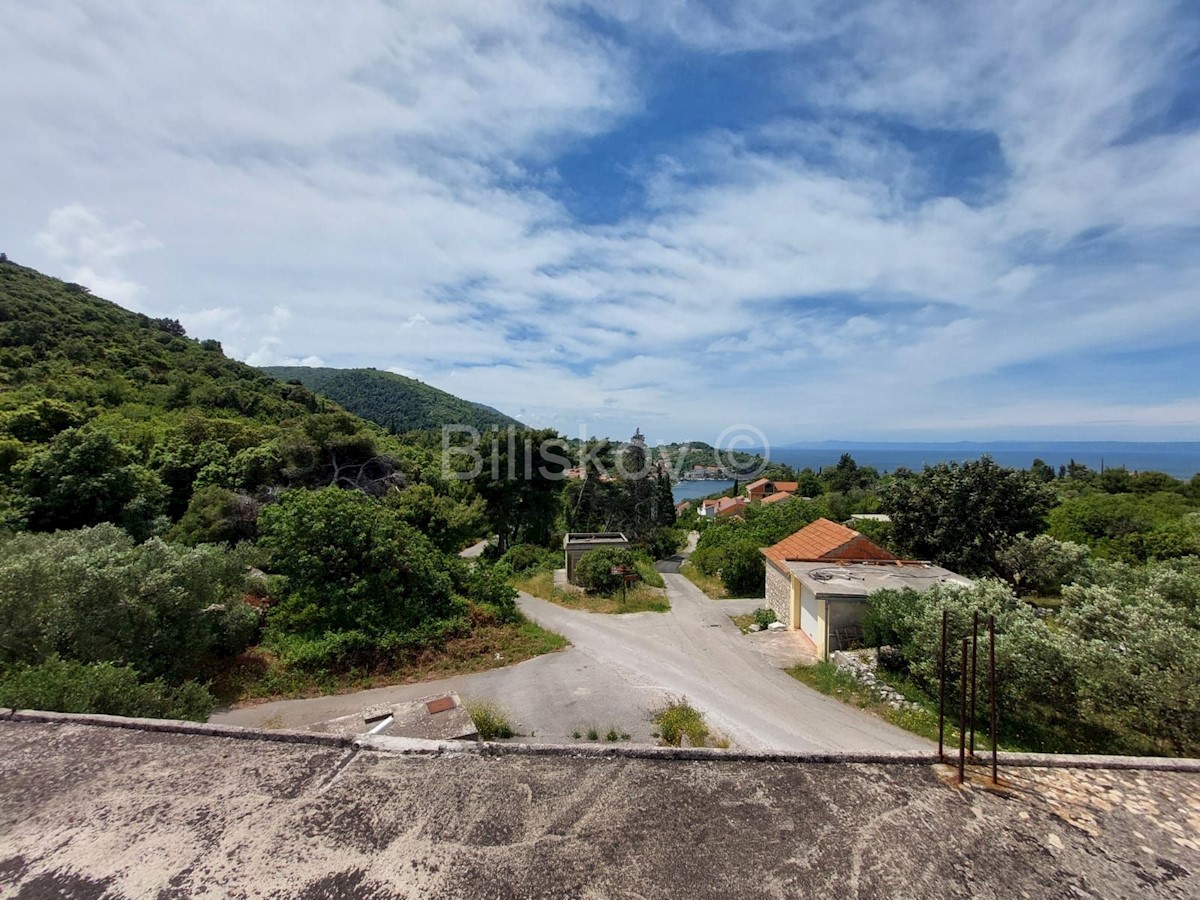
[(578, 543)]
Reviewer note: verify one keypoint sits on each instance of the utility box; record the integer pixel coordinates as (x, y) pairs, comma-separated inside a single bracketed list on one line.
[(577, 543)]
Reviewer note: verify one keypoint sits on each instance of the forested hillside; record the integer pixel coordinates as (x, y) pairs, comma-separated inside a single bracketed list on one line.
[(174, 522), (397, 403)]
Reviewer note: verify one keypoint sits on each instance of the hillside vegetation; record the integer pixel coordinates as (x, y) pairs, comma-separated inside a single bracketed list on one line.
[(174, 523), (393, 401)]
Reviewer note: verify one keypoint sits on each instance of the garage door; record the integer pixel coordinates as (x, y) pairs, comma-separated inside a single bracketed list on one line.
[(808, 616)]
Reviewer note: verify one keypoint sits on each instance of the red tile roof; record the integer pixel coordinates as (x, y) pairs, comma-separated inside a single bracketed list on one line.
[(776, 497), (824, 539), (730, 506), (755, 485), (789, 487)]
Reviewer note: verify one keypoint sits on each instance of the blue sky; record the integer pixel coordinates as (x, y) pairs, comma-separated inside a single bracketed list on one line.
[(854, 220)]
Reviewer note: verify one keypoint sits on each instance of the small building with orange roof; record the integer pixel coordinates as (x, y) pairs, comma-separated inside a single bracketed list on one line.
[(819, 578), (759, 490)]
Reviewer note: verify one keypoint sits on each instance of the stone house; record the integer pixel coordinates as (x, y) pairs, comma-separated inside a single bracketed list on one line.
[(819, 578)]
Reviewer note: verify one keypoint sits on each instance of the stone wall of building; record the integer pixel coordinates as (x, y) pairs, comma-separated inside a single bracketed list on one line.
[(779, 595)]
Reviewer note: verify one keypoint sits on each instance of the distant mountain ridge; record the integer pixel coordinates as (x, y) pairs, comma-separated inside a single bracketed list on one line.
[(393, 401)]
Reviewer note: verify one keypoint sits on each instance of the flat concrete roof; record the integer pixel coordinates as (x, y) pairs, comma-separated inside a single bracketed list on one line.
[(92, 811), (858, 579), (601, 537)]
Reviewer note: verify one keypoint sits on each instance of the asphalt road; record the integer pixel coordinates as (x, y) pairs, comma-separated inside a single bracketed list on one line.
[(618, 671), (548, 698), (695, 651)]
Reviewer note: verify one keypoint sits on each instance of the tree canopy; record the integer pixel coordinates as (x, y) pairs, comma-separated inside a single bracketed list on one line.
[(962, 514)]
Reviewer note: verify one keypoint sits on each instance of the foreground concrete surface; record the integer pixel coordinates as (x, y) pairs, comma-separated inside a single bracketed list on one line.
[(106, 812)]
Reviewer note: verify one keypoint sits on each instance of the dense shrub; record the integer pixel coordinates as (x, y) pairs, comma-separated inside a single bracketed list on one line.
[(1129, 527), (1117, 670), (744, 572), (488, 585), (524, 558), (342, 651), (447, 522), (665, 541), (593, 572), (86, 477), (352, 565), (66, 686), (217, 515), (1041, 565), (764, 616), (94, 596)]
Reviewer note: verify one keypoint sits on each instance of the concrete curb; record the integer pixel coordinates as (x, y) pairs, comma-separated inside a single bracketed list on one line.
[(415, 747), (1093, 761), (176, 726), (409, 746)]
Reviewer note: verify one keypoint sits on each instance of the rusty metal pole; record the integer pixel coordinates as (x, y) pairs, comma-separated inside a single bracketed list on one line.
[(974, 660), (942, 693), (962, 714), (992, 687)]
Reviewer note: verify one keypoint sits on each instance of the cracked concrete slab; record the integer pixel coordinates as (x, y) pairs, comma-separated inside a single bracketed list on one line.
[(111, 812)]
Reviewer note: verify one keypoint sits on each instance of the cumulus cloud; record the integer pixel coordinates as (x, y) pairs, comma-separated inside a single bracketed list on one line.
[(90, 250), (401, 199)]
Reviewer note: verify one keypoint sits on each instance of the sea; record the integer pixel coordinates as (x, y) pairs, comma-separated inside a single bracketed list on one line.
[(1178, 459), (692, 490)]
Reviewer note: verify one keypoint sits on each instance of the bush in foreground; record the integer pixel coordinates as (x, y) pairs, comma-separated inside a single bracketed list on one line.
[(93, 596), (60, 685)]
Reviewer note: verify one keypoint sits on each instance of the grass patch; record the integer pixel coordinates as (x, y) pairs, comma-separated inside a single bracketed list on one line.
[(762, 617), (650, 575), (678, 720), (711, 585), (841, 685), (641, 598), (490, 720), (743, 622), (1053, 603), (258, 675)]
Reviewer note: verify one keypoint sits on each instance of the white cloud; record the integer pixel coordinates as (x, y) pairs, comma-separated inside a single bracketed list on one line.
[(90, 250), (376, 186)]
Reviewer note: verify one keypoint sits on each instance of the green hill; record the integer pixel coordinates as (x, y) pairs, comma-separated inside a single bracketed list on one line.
[(58, 341), (108, 415), (393, 401)]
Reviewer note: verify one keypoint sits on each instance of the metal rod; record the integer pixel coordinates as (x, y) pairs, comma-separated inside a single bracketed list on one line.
[(942, 693), (962, 714), (382, 725), (974, 655), (992, 688)]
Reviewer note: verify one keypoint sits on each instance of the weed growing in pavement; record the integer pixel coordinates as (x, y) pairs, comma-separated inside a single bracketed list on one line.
[(679, 720), (490, 720)]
